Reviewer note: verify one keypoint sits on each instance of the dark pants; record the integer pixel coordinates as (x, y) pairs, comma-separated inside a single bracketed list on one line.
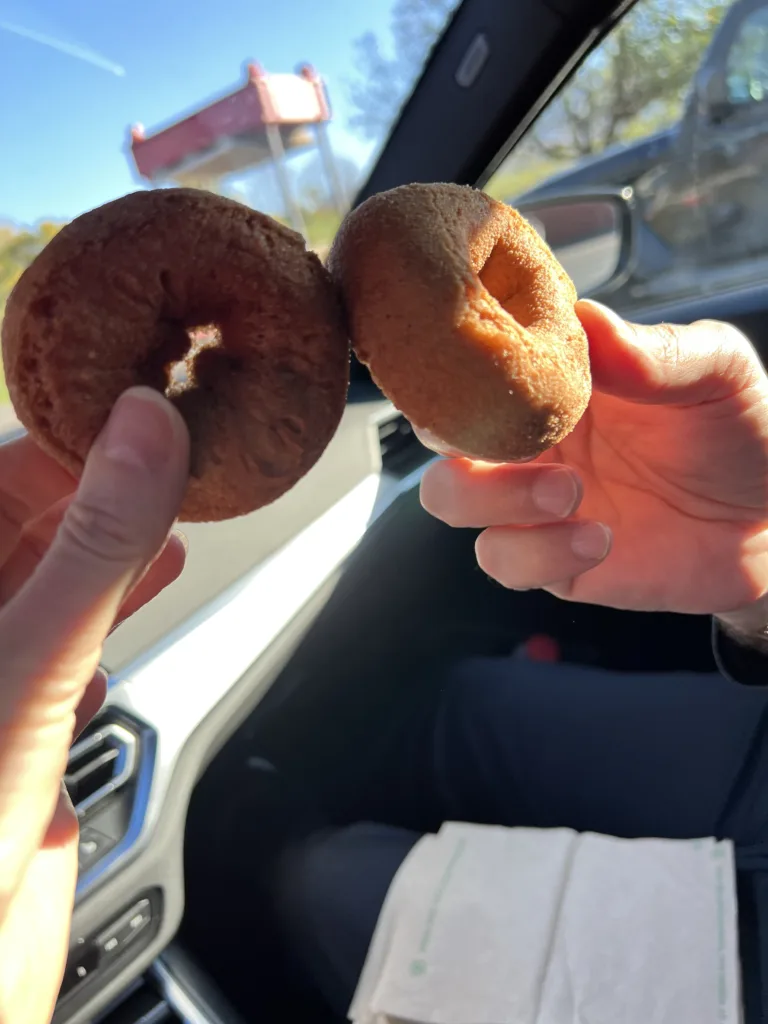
[(519, 743)]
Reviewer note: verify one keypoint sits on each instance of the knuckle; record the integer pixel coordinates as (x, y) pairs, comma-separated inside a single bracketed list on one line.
[(739, 361), (733, 361), (100, 532), (728, 337), (723, 329), (668, 339)]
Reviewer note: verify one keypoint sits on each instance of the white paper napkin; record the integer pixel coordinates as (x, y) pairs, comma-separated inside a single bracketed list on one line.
[(487, 925)]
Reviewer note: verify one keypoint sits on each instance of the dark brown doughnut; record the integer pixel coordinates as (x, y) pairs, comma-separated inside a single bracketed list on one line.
[(465, 319), (109, 303)]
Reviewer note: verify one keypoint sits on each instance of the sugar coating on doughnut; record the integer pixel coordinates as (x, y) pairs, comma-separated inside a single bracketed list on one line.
[(109, 304), (465, 319)]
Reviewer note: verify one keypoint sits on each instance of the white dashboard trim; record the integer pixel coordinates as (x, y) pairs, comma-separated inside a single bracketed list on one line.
[(174, 689), (176, 685)]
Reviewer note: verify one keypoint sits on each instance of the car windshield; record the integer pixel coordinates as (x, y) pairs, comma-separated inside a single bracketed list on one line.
[(281, 105)]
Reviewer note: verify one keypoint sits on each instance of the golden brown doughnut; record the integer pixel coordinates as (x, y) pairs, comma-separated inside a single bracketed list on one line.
[(465, 319), (109, 303)]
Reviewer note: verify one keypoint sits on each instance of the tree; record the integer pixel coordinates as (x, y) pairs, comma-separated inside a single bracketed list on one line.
[(385, 80), (635, 82), (18, 247)]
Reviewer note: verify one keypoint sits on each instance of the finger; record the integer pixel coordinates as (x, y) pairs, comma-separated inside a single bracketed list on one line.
[(163, 571), (38, 536), (91, 701), (52, 631), (128, 497), (440, 447), (667, 363), (30, 482), (63, 827), (530, 558), (64, 818), (473, 494)]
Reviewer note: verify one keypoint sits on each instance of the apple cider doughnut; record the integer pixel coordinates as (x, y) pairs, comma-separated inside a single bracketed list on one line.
[(465, 319), (134, 288)]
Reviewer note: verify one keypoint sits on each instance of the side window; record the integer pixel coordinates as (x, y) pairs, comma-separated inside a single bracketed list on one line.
[(639, 113), (747, 62)]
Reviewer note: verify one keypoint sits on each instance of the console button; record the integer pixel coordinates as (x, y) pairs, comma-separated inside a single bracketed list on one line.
[(81, 965), (118, 936), (92, 846)]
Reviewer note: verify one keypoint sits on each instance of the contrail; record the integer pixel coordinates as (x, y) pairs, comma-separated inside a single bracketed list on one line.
[(71, 50)]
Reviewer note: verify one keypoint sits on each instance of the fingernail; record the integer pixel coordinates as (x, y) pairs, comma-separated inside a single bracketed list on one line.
[(139, 431), (591, 541), (556, 492)]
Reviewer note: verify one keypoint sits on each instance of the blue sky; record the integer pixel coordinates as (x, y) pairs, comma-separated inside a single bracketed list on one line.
[(74, 74)]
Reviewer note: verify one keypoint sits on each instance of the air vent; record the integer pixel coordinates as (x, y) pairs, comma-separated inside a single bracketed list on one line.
[(401, 450), (99, 765)]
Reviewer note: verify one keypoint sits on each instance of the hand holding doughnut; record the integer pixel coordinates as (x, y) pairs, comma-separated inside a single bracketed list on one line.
[(657, 501)]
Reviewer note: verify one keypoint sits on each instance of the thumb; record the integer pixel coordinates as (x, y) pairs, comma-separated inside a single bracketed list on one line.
[(667, 363), (51, 632)]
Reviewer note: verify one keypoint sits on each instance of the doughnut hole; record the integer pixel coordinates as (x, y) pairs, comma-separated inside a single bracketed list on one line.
[(167, 348), (512, 284), (180, 373), (198, 375)]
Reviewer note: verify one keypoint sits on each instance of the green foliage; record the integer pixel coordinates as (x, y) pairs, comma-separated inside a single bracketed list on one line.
[(635, 82), (321, 226), (18, 247)]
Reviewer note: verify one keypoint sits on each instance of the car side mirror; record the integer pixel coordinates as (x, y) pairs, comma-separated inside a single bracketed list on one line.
[(590, 232)]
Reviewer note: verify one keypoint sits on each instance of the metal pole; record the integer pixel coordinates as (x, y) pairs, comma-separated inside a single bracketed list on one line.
[(277, 150), (340, 200)]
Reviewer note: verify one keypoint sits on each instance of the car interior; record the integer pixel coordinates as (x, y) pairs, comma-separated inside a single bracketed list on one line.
[(255, 699)]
